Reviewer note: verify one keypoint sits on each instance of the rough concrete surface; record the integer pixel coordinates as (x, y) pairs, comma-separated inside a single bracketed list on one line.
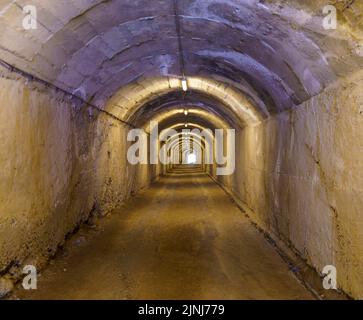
[(181, 239), (291, 89), (59, 166), (300, 177)]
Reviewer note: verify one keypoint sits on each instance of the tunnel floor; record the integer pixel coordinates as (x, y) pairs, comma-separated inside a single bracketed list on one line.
[(183, 238)]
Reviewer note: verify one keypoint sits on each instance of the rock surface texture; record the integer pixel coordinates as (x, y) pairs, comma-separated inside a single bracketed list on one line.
[(71, 89)]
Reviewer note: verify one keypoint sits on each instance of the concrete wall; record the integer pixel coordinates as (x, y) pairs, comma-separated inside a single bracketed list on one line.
[(300, 175), (58, 163)]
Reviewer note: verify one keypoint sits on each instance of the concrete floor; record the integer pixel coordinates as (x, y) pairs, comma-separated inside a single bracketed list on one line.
[(183, 238)]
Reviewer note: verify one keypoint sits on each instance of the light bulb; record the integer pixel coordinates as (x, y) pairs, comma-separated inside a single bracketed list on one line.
[(186, 112), (185, 85)]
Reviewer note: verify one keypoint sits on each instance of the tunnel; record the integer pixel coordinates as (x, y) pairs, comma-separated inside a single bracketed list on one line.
[(181, 149)]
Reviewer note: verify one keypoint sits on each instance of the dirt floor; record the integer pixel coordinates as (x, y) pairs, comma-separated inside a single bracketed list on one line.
[(183, 238)]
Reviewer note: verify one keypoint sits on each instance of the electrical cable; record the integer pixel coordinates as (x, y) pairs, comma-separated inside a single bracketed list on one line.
[(31, 77)]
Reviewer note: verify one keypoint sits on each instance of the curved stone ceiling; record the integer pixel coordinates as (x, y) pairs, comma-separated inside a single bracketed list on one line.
[(275, 52), (201, 119), (175, 104), (137, 96)]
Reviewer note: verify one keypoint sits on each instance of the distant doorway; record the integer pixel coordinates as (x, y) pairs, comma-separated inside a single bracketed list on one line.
[(192, 158)]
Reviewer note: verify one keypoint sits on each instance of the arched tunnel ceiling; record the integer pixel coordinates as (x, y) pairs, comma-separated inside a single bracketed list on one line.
[(203, 120), (175, 103), (132, 101), (276, 52)]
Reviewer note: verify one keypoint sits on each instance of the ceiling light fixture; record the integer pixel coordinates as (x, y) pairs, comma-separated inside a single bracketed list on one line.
[(185, 85), (184, 81), (186, 112)]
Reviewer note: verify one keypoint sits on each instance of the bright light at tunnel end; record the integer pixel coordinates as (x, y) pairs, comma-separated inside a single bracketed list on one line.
[(170, 147), (192, 158)]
